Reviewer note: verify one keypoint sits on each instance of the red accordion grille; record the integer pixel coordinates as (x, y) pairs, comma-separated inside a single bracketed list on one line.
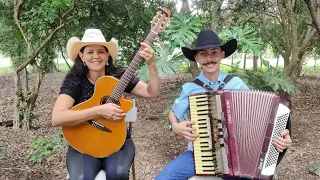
[(252, 112)]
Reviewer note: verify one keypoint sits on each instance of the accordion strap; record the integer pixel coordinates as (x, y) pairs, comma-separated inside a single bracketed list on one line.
[(206, 86)]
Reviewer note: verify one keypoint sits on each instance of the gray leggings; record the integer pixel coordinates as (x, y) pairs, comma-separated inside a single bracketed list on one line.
[(117, 166)]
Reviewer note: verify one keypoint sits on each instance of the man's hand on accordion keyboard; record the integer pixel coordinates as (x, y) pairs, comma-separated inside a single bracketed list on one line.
[(284, 141), (183, 128)]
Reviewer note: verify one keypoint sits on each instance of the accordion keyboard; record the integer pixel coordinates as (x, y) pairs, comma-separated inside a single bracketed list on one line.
[(207, 148)]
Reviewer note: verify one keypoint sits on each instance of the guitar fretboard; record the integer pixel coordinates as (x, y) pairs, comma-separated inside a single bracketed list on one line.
[(129, 73)]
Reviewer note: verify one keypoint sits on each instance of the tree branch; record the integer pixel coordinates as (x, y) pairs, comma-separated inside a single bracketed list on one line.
[(252, 16), (314, 14), (37, 52), (65, 59), (271, 38), (309, 41), (67, 12), (16, 16)]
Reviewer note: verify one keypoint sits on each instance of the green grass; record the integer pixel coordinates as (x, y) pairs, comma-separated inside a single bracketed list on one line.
[(311, 68), (64, 67), (224, 68), (6, 69)]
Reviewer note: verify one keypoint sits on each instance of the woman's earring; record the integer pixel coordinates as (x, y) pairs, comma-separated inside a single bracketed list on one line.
[(107, 63), (84, 63)]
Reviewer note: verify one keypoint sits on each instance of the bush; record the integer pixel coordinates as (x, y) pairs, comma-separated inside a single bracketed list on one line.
[(42, 148), (272, 79)]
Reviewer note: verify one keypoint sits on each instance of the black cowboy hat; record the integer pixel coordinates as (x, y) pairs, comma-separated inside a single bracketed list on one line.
[(209, 39)]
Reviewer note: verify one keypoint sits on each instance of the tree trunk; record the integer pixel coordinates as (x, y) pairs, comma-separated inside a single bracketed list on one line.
[(193, 66), (297, 70), (25, 75), (314, 13), (277, 65), (32, 96), (194, 69), (255, 63), (216, 18), (185, 6), (25, 100), (232, 60), (18, 96), (244, 60)]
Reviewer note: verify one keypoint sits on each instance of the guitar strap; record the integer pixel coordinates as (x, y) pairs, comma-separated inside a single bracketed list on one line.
[(206, 86)]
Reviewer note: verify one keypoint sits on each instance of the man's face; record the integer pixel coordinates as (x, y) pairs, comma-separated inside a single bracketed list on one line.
[(209, 59)]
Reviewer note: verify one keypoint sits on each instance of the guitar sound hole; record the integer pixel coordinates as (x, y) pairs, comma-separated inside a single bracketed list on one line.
[(107, 99)]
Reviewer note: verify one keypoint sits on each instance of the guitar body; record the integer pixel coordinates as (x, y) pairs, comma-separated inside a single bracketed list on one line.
[(90, 140)]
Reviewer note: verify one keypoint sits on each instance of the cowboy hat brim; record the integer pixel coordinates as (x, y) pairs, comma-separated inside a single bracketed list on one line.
[(229, 48), (74, 45)]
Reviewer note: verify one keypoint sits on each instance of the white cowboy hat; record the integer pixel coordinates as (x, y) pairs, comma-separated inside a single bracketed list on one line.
[(91, 36)]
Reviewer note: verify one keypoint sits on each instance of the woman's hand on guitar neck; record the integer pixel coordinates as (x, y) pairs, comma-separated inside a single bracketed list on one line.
[(183, 128), (111, 111), (147, 53)]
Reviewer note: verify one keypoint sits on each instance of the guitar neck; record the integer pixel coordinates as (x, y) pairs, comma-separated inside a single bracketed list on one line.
[(132, 68)]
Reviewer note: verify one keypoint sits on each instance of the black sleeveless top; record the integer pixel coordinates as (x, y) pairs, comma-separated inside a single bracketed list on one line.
[(81, 89)]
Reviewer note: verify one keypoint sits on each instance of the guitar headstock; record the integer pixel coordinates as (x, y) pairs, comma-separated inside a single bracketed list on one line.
[(160, 20)]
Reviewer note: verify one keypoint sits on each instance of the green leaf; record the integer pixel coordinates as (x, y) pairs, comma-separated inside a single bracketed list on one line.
[(182, 29), (2, 153), (247, 37), (272, 80), (42, 148), (167, 110), (168, 62), (312, 168)]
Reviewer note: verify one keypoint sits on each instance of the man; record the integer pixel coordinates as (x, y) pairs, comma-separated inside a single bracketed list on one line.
[(209, 52)]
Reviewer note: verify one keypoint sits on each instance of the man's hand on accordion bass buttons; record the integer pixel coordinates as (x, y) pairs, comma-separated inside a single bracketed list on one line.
[(183, 128), (284, 141)]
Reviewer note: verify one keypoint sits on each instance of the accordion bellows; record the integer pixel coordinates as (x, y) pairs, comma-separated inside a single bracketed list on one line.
[(236, 129)]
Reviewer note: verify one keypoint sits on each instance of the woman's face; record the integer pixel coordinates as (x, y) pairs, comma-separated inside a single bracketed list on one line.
[(95, 57)]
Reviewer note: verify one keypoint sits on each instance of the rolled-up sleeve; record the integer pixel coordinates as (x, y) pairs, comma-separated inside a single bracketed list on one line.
[(181, 104)]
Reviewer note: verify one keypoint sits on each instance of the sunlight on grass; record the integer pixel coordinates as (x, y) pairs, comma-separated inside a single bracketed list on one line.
[(224, 68), (64, 67), (6, 69), (61, 66), (311, 68)]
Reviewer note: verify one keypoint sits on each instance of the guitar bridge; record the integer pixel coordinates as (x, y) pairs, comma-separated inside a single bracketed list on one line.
[(99, 126)]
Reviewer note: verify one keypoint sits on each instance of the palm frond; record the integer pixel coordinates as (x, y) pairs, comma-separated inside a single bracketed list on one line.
[(248, 40), (273, 80), (168, 62)]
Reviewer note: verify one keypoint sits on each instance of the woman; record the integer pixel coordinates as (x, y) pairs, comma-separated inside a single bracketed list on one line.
[(93, 57)]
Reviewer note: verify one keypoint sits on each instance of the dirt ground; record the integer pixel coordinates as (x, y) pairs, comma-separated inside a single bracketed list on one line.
[(155, 146)]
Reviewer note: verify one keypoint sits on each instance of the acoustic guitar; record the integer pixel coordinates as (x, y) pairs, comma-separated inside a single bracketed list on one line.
[(102, 137)]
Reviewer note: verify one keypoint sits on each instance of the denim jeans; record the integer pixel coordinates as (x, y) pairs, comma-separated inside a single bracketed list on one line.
[(117, 166), (182, 168)]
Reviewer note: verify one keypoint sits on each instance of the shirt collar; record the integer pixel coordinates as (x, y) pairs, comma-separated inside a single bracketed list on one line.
[(204, 79)]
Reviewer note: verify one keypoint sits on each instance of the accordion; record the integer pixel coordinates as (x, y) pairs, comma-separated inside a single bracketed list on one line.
[(236, 130)]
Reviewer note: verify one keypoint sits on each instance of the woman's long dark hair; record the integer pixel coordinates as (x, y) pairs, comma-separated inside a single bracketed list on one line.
[(81, 70)]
